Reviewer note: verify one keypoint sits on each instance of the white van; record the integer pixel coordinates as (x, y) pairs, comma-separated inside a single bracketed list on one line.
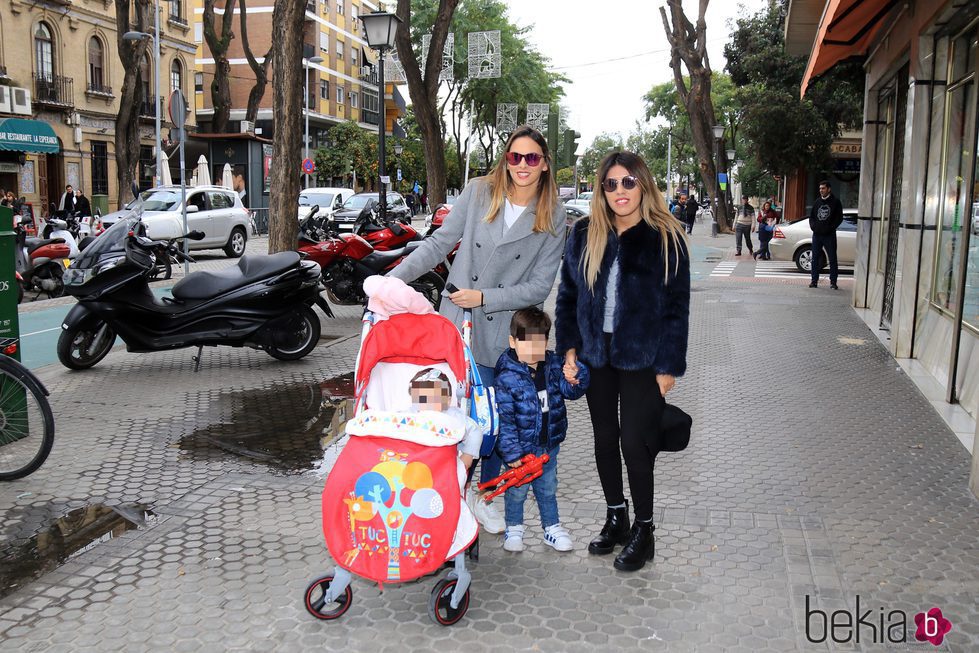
[(328, 199)]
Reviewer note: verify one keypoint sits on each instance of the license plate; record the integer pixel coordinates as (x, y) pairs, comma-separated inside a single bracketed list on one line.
[(66, 262)]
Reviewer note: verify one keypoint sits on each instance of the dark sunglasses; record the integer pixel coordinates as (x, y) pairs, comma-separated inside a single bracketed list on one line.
[(628, 182), (533, 159)]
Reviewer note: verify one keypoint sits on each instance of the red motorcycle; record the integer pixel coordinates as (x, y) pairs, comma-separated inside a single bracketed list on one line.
[(346, 260), (385, 237)]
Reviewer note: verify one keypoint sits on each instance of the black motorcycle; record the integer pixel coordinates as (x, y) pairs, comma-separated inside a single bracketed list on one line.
[(263, 302)]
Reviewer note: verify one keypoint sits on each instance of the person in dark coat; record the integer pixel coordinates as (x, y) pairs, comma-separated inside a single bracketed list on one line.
[(691, 213), (623, 308), (530, 392), (82, 206), (825, 217)]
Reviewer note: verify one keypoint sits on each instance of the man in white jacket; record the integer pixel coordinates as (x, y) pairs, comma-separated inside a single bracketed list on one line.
[(67, 202)]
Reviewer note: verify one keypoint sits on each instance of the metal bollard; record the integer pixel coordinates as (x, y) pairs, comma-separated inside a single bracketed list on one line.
[(713, 229)]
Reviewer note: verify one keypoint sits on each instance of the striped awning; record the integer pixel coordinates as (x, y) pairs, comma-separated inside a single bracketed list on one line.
[(35, 136)]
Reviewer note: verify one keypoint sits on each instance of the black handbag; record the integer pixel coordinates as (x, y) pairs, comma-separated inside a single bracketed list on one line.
[(675, 428)]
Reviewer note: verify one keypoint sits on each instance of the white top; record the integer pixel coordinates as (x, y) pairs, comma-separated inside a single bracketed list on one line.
[(511, 212)]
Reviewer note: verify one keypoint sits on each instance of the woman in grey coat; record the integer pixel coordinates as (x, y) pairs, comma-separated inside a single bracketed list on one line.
[(512, 228)]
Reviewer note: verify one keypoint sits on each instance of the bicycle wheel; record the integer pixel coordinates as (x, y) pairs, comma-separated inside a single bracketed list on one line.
[(26, 421)]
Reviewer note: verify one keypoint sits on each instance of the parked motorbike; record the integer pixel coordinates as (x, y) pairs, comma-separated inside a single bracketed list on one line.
[(346, 260), (41, 262), (384, 236), (264, 302)]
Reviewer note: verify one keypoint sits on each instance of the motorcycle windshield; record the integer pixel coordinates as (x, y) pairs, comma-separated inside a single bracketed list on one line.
[(112, 241)]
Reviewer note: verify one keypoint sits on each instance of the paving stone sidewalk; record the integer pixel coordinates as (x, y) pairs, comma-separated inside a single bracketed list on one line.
[(816, 469)]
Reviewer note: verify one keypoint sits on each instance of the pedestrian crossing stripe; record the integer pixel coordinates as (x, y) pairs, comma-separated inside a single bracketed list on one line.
[(724, 269)]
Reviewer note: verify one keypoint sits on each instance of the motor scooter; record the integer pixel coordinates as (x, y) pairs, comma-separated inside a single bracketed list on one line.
[(347, 259), (263, 302), (40, 262)]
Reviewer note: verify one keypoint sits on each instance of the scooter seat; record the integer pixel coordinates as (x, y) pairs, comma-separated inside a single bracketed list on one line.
[(206, 284), (34, 243)]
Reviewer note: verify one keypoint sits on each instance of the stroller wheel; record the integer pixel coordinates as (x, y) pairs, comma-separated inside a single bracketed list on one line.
[(439, 607), (315, 600)]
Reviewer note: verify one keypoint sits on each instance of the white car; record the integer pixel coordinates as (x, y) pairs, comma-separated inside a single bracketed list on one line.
[(214, 210), (328, 199), (582, 202), (792, 241)]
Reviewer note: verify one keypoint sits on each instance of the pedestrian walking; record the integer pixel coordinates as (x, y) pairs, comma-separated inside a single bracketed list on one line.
[(424, 201), (744, 224), (530, 392), (692, 208), (82, 206), (622, 308), (767, 218), (410, 201), (67, 202), (512, 228), (825, 217)]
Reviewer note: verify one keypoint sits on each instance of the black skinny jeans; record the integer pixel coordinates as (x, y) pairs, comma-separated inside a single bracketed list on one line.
[(634, 395)]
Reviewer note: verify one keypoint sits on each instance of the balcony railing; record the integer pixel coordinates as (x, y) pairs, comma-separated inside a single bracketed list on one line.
[(147, 107), (177, 20), (99, 89), (53, 89)]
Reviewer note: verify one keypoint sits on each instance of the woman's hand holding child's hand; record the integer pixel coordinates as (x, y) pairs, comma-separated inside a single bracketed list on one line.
[(570, 368)]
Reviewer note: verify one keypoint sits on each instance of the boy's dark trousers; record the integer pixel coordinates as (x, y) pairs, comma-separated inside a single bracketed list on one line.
[(763, 252)]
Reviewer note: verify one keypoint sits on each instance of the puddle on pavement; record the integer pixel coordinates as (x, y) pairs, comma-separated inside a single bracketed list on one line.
[(25, 560), (287, 428)]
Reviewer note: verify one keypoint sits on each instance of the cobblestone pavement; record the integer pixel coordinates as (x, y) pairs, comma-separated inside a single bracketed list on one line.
[(816, 469)]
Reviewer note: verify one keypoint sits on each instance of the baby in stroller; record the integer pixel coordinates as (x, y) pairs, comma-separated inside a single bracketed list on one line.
[(393, 504)]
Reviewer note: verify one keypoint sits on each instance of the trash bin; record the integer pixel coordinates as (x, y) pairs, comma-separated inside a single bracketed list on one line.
[(100, 203)]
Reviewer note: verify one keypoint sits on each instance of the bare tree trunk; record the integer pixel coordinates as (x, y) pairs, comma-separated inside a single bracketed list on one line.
[(261, 70), (688, 43), (131, 53), (287, 97), (423, 90), (218, 45)]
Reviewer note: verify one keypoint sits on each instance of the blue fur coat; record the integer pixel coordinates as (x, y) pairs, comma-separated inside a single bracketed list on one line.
[(650, 324)]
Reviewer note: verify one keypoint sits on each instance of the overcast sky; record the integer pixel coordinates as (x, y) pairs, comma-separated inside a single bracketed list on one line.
[(583, 39)]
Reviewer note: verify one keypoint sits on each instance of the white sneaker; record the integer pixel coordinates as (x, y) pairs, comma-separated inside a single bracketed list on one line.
[(513, 538), (558, 538), (488, 516)]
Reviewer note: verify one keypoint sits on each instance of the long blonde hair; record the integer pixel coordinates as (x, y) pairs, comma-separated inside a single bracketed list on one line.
[(652, 208), (500, 183)]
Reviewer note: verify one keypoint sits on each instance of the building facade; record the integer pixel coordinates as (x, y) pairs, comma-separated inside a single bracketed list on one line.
[(61, 76), (917, 268), (340, 88)]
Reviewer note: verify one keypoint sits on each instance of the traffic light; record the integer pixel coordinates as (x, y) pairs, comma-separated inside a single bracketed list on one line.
[(553, 136), (571, 137)]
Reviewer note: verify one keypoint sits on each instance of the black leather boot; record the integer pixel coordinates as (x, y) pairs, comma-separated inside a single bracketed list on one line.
[(640, 548), (615, 531)]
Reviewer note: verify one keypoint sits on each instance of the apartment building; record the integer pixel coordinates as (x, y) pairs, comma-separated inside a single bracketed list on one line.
[(60, 77), (342, 87)]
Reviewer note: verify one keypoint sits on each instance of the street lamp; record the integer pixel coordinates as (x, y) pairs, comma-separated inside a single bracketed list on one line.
[(381, 28), (398, 149), (138, 36), (306, 63), (718, 135), (730, 176)]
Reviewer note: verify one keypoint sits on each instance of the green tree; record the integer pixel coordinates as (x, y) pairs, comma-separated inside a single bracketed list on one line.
[(602, 145), (565, 177), (783, 131)]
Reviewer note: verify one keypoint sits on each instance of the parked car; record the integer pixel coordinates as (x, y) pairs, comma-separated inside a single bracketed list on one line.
[(583, 201), (109, 219), (347, 215), (214, 210), (573, 214), (792, 241), (328, 199)]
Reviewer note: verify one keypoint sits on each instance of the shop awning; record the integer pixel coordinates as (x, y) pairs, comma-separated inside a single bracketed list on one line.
[(846, 30), (36, 136)]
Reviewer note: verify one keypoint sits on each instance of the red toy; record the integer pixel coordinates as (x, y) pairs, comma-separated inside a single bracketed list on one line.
[(531, 467)]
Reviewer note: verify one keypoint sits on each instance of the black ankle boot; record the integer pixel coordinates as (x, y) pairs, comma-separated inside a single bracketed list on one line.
[(615, 531), (640, 548)]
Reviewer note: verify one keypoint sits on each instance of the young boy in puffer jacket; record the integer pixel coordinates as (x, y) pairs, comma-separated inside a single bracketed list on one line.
[(530, 393)]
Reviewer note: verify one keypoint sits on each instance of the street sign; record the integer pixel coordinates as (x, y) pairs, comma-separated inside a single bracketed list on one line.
[(399, 174), (177, 108), (308, 166), (386, 179)]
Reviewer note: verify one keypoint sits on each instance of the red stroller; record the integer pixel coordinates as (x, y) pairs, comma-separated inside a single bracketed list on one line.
[(393, 505)]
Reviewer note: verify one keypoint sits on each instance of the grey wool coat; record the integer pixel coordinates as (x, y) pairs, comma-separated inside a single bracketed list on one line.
[(514, 268)]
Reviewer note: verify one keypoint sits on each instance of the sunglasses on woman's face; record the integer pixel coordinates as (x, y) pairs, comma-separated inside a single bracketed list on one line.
[(533, 159), (628, 182)]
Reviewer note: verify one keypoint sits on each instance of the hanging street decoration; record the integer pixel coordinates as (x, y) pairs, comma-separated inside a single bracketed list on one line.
[(485, 59), (537, 116), (393, 70), (506, 117), (448, 56)]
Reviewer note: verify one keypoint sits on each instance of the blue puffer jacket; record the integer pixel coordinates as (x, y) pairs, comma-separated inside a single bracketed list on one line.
[(519, 410)]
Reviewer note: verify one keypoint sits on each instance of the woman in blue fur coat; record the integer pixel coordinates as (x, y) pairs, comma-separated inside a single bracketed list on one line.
[(622, 308)]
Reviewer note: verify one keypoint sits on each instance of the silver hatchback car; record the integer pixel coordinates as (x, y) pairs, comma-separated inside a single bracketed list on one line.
[(792, 241)]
